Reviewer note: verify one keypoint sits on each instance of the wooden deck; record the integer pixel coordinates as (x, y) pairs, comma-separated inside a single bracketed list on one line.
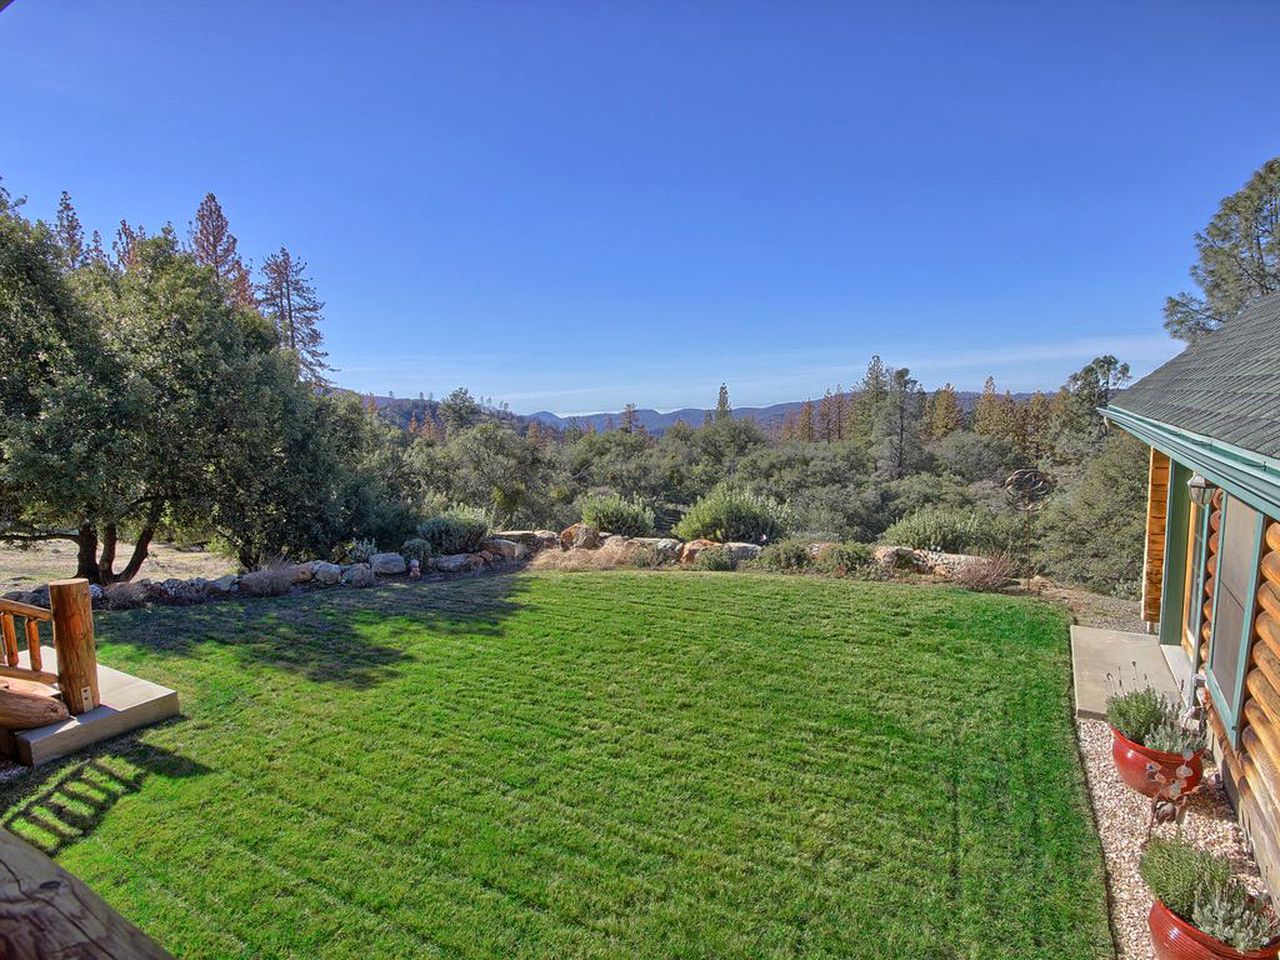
[(46, 913)]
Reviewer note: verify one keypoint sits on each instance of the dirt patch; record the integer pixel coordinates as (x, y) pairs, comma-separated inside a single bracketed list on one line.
[(24, 568)]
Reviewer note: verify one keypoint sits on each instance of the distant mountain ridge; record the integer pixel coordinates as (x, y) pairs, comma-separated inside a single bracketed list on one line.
[(402, 410), (655, 421)]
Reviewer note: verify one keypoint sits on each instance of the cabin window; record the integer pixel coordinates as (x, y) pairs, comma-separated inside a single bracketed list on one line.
[(1239, 541)]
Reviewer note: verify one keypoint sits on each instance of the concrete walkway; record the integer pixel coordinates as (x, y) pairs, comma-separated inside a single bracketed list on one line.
[(1103, 659)]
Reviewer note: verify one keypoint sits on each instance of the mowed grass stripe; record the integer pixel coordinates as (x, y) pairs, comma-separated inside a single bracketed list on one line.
[(599, 765)]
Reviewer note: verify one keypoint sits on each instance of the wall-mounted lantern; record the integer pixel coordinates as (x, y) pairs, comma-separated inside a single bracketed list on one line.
[(1201, 489)]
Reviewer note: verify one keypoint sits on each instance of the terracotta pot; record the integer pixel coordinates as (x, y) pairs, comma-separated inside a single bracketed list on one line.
[(1131, 761), (1175, 939)]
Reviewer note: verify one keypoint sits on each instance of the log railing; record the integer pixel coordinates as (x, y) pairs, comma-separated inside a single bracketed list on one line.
[(71, 618)]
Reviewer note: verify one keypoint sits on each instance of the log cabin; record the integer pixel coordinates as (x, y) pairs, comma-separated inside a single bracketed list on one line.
[(1211, 579)]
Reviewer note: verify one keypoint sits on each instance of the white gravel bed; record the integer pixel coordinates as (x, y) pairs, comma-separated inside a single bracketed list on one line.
[(1122, 815)]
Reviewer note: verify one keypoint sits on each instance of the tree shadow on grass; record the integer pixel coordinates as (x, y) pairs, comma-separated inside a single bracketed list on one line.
[(342, 636), (67, 801)]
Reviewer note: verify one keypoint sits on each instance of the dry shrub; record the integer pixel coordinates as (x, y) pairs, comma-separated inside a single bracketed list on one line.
[(124, 596), (268, 582), (571, 560), (986, 574)]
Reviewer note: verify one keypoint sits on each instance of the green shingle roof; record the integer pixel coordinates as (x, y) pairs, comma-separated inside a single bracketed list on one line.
[(1225, 386)]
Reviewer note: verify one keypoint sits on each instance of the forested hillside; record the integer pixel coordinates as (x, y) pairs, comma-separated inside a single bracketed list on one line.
[(159, 388)]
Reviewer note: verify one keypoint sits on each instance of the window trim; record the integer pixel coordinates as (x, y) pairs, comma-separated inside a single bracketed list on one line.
[(1230, 712), (1201, 561)]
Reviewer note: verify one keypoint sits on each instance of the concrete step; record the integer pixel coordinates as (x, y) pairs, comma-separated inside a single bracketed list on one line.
[(128, 703)]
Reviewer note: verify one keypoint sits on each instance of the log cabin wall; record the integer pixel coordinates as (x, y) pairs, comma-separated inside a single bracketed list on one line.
[(1252, 769), (1153, 553)]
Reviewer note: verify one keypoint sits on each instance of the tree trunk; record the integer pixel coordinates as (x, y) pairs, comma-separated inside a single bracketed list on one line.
[(87, 554), (144, 542), (107, 556)]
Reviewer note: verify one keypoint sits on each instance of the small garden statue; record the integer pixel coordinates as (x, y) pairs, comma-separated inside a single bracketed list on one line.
[(415, 569)]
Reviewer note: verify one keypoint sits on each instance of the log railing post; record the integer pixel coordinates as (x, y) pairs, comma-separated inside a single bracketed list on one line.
[(73, 642)]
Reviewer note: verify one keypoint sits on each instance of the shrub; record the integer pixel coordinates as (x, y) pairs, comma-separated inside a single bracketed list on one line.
[(267, 582), (729, 513), (719, 559), (986, 574), (616, 514), (360, 551), (124, 596), (1199, 887), (786, 556), (415, 548), (1172, 736), (950, 530), (455, 531), (1231, 915), (1179, 874), (847, 560), (1137, 713)]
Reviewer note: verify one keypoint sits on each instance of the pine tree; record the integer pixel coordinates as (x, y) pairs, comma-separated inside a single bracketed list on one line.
[(1037, 435), (945, 413), (987, 414), (1239, 258), (723, 410), (865, 410), (839, 410), (290, 302), (898, 429), (214, 246), (70, 234), (96, 253), (804, 425), (126, 241), (827, 417), (630, 419)]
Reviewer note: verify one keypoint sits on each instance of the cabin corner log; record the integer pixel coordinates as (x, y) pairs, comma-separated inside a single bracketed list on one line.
[(47, 912), (73, 642), (1154, 544)]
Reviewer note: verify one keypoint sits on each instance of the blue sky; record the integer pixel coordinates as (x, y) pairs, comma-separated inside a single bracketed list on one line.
[(569, 206)]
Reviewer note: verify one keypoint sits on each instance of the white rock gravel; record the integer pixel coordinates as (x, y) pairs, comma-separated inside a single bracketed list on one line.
[(1122, 815)]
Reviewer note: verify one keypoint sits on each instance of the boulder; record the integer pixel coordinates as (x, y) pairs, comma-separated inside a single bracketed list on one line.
[(947, 565), (326, 573), (580, 536), (743, 551), (689, 552), (303, 572), (903, 558), (223, 586), (486, 557), (506, 549), (529, 539), (458, 563), (182, 592), (388, 564), (666, 549), (360, 575)]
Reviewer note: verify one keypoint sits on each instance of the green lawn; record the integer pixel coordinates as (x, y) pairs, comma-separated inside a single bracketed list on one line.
[(592, 765)]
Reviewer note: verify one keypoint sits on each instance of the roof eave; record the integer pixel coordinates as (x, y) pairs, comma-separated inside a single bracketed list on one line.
[(1251, 476)]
